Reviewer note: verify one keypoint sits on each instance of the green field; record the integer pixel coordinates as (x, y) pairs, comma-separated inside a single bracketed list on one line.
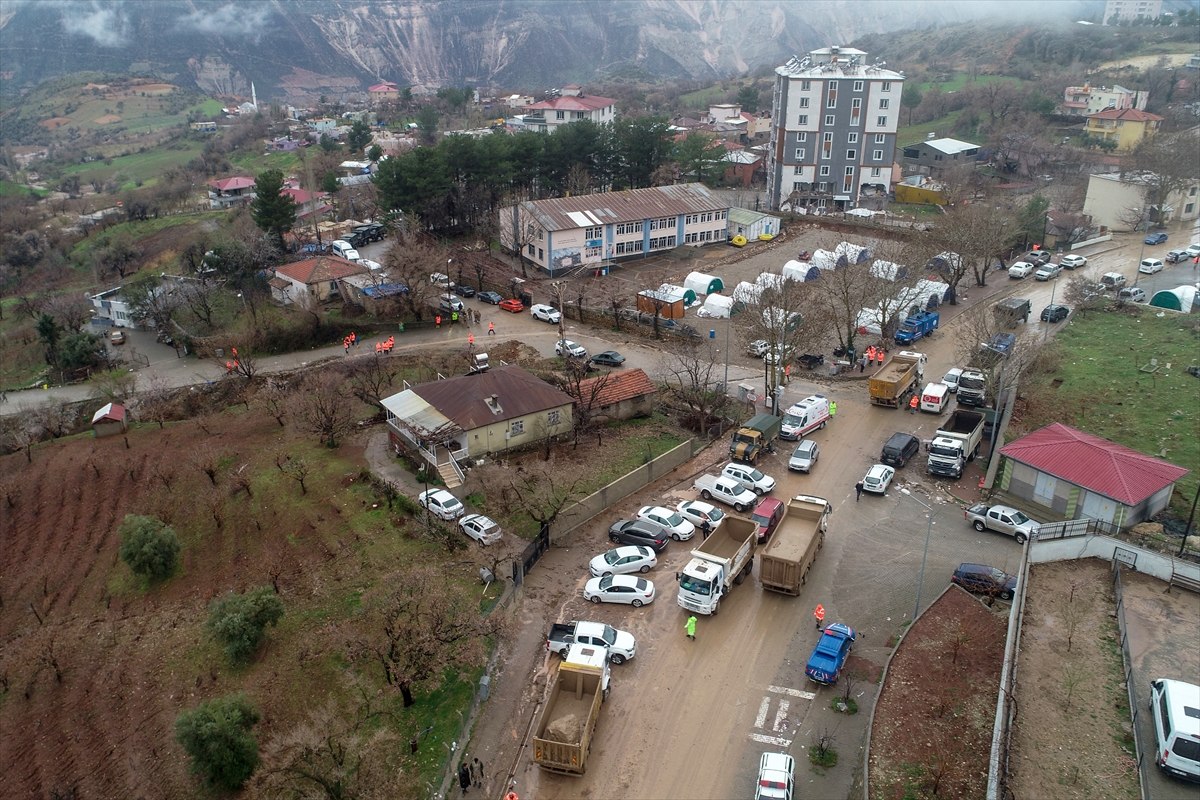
[(138, 168), (1098, 359), (962, 80), (912, 134), (254, 163), (10, 189)]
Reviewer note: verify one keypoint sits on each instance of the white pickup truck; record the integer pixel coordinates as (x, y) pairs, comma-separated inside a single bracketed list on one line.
[(620, 644), (726, 490), (1001, 519)]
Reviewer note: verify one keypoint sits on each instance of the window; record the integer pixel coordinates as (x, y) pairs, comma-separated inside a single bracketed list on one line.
[(629, 227), (662, 243), (883, 103), (554, 417), (559, 115), (804, 102), (877, 155), (801, 137), (516, 427), (852, 138), (541, 254), (624, 248), (825, 171), (802, 119), (593, 252), (529, 250), (827, 145), (849, 171), (875, 172), (806, 86), (881, 121), (858, 86), (798, 186), (593, 233), (828, 119), (880, 138), (799, 154), (831, 97), (887, 86), (661, 223), (851, 154), (856, 103), (823, 186)]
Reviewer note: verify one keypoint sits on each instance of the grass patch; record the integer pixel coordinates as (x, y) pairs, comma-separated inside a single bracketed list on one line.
[(912, 134), (254, 163), (919, 210), (11, 189), (135, 229), (138, 169), (1098, 359), (962, 80)]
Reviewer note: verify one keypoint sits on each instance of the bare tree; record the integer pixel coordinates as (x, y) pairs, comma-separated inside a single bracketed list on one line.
[(410, 261), (153, 401), (517, 232), (295, 468), (541, 490), (977, 234), (1156, 164), (321, 407), (71, 311), (587, 389), (274, 398), (371, 378), (690, 367), (978, 327), (200, 298)]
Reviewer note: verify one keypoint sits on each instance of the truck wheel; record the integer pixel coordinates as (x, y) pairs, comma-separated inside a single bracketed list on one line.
[(737, 581), (716, 608), (617, 659), (1020, 537), (707, 495), (979, 526)]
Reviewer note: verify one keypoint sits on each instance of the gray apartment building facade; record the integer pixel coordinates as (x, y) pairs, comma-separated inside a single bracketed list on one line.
[(833, 134)]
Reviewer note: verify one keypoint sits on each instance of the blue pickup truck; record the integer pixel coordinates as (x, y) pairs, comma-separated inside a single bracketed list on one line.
[(917, 326), (829, 656)]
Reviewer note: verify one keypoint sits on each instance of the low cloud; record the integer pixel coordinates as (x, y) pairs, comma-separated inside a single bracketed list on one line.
[(228, 20), (106, 26)]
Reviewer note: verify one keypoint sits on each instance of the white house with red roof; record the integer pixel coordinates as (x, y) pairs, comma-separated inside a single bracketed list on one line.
[(317, 279), (572, 106), (229, 192), (382, 92), (1072, 474)]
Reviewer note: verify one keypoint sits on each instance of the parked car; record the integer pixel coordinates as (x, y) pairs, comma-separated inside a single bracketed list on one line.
[(512, 305), (622, 561), (1176, 723), (545, 313), (982, 579), (1112, 280), (1020, 269), (1133, 294), (1149, 266), (1038, 257), (1072, 261), (609, 358), (639, 531), (776, 777), (669, 520), (567, 347), (636, 592), (878, 478), (493, 298), (951, 379), (1055, 313), (441, 503), (767, 515), (480, 528), (830, 653), (753, 479), (463, 290), (1047, 272), (899, 449), (1158, 237), (804, 457), (1002, 519), (777, 355), (1175, 256), (117, 337), (1193, 249), (758, 348), (372, 231), (701, 514)]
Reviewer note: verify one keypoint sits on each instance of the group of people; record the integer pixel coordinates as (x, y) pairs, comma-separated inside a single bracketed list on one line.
[(873, 355), (349, 340), (470, 773), (385, 346)]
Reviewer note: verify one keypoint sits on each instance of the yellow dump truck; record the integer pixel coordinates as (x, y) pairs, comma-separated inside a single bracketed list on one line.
[(785, 561), (564, 732), (896, 378)]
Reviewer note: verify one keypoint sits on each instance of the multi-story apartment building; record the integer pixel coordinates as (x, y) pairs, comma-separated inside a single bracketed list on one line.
[(1080, 101), (833, 132), (572, 106), (1118, 11)]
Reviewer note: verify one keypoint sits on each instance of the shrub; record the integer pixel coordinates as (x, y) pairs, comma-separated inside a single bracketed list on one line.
[(217, 737), (149, 546), (239, 620)]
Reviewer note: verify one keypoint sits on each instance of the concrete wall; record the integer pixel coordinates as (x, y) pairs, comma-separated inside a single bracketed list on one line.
[(1158, 565)]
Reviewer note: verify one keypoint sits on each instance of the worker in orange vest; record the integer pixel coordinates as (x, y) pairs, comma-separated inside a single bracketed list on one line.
[(437, 321), (912, 404), (491, 329), (378, 348), (880, 355)]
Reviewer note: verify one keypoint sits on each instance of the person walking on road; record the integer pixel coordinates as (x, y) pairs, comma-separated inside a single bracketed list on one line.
[(912, 404), (478, 770), (464, 778), (832, 408), (491, 329), (690, 627), (858, 487)]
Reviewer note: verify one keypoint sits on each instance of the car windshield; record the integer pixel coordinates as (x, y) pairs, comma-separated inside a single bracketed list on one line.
[(791, 420), (997, 575), (944, 450), (716, 514), (606, 583), (674, 520), (695, 585), (612, 557), (610, 633), (1019, 518), (755, 475)]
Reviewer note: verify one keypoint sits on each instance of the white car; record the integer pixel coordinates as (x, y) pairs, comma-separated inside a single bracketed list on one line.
[(480, 528), (951, 378), (545, 313), (636, 592), (622, 560), (1020, 269), (776, 355), (700, 514), (776, 777), (758, 348), (1072, 261), (753, 479), (804, 456), (670, 520), (878, 478), (569, 348), (441, 503), (1193, 249), (1149, 266)]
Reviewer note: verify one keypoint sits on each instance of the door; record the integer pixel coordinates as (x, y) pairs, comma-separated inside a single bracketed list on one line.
[(1043, 489), (1099, 507)]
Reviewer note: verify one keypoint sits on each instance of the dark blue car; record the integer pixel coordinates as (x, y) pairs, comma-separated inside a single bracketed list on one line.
[(829, 656), (1156, 238)]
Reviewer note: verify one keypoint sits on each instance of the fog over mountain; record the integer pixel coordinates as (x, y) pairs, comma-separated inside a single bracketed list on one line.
[(289, 45)]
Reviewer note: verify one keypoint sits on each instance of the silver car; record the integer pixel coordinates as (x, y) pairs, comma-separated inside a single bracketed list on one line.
[(804, 456)]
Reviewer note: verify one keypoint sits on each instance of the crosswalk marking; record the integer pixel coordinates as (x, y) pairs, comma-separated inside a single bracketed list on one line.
[(792, 692), (781, 715), (763, 709), (778, 741), (780, 723)]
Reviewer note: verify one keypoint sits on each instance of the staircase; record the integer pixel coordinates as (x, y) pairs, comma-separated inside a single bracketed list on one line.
[(449, 475)]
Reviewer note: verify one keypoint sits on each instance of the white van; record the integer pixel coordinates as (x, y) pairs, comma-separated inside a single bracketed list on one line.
[(1175, 706), (807, 415), (344, 249), (935, 397)]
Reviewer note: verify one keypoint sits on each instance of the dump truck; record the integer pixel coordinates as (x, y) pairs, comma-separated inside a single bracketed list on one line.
[(1012, 310), (955, 443), (755, 437), (722, 561), (917, 326), (896, 378), (973, 387), (564, 731), (784, 563)]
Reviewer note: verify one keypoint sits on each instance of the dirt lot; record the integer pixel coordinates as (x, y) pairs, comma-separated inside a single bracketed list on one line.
[(933, 721), (1072, 736)]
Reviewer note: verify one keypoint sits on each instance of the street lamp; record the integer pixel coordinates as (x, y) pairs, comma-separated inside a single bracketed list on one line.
[(1143, 231), (999, 389), (925, 552)]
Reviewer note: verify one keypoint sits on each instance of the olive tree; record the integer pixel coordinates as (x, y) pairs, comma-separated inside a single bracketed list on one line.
[(149, 546), (239, 621), (217, 736)]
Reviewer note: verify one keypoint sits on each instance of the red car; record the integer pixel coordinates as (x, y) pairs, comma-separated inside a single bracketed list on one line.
[(512, 304)]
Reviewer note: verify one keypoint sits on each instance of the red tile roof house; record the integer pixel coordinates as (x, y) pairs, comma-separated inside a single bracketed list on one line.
[(307, 203), (229, 192), (1072, 474), (616, 395), (315, 279)]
